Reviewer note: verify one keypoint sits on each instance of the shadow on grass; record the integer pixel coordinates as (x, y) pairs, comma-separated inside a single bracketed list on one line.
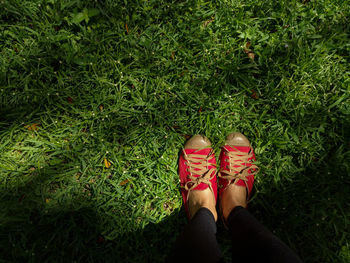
[(71, 232), (310, 213), (306, 214)]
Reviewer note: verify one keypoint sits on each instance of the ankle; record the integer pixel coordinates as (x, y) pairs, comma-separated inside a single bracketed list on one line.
[(232, 197), (228, 209), (212, 209), (199, 199), (194, 207)]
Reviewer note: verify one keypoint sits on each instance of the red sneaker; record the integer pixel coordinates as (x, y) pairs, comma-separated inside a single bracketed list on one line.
[(197, 168), (236, 165)]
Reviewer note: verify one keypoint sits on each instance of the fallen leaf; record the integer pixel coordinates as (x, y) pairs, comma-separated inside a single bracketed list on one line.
[(70, 100), (248, 51), (100, 240), (107, 163), (254, 95), (124, 182), (172, 57), (251, 55), (207, 22), (127, 29), (200, 109), (100, 107), (21, 198), (176, 127), (187, 136), (247, 45), (32, 127)]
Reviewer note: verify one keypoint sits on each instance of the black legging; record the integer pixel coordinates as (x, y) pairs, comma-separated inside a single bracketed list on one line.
[(251, 241)]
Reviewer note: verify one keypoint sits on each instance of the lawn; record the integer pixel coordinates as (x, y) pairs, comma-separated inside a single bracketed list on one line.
[(98, 97)]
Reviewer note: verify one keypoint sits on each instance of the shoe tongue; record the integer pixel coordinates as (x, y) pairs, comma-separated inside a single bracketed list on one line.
[(244, 149)]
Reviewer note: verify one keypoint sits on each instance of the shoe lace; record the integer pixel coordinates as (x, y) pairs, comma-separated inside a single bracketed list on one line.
[(198, 164), (236, 170)]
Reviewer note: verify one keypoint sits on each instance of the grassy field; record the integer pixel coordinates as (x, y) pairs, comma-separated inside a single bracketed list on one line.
[(98, 97)]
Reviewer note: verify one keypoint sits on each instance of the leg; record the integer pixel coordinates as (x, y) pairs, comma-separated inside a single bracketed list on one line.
[(197, 243), (253, 242), (197, 171)]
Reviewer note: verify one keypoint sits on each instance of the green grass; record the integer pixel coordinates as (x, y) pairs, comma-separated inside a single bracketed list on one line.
[(163, 70)]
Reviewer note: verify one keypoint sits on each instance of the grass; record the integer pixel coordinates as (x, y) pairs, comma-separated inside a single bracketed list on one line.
[(129, 81)]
